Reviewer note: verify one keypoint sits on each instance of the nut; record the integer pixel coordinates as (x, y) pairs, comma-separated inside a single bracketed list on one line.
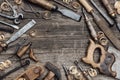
[(75, 5), (73, 70), (5, 6), (32, 33), (92, 72), (46, 15), (18, 2)]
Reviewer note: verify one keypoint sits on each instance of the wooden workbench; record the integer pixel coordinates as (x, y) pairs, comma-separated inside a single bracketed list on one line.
[(59, 40)]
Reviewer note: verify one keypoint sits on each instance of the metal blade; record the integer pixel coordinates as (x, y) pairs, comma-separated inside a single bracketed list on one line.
[(70, 14), (21, 31), (116, 65)]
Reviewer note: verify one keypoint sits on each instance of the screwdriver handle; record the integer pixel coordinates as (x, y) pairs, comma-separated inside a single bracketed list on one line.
[(86, 5), (45, 4), (109, 7)]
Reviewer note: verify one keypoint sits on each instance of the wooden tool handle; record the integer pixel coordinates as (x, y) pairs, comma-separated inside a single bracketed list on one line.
[(49, 76), (23, 50), (6, 29), (109, 7), (86, 5), (45, 4), (69, 77)]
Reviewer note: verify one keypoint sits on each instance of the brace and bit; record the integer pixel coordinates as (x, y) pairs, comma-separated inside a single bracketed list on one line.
[(16, 16)]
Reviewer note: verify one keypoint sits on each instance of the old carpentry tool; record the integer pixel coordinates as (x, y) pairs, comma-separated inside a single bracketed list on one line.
[(54, 69), (116, 65), (15, 36), (106, 59), (104, 27), (107, 18), (8, 24), (16, 16), (67, 74), (49, 76), (6, 29), (49, 6), (31, 73), (98, 37), (90, 26), (112, 12), (88, 77), (26, 63)]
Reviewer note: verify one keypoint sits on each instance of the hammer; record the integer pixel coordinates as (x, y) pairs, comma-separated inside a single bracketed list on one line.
[(54, 69)]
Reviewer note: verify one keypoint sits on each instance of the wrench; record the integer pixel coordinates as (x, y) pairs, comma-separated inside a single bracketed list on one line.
[(16, 16), (27, 62), (11, 25)]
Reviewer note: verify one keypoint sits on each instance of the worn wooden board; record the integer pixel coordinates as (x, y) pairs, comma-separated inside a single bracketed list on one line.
[(59, 40)]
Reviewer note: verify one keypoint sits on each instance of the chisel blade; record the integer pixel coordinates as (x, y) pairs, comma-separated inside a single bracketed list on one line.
[(21, 31), (70, 14)]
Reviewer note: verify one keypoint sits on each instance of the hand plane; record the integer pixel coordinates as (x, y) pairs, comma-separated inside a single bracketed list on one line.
[(106, 59)]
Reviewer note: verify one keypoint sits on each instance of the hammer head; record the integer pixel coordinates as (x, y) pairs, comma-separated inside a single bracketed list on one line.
[(54, 69)]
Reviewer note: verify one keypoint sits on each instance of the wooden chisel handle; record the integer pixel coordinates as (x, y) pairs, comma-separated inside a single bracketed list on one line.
[(109, 7), (86, 5), (45, 4)]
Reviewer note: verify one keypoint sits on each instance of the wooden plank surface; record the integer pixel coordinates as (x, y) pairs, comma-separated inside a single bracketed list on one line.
[(59, 40)]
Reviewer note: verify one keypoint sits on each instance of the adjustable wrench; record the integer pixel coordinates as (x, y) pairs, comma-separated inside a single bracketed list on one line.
[(16, 16)]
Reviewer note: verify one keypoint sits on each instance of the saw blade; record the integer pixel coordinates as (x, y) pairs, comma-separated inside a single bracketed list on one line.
[(116, 65), (21, 31)]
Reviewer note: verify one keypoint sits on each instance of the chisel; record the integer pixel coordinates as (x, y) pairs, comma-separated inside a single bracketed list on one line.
[(3, 45), (66, 12)]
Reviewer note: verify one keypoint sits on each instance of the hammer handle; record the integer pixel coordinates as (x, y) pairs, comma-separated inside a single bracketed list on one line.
[(87, 6), (45, 4), (109, 7)]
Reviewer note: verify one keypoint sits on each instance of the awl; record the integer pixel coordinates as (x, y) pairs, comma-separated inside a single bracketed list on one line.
[(17, 35), (68, 13)]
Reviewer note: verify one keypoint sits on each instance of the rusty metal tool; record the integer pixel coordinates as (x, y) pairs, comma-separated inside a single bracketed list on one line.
[(106, 59), (112, 12), (49, 76), (15, 36), (101, 24), (106, 17), (116, 65), (31, 73), (88, 77), (54, 69), (26, 63), (49, 6), (67, 74)]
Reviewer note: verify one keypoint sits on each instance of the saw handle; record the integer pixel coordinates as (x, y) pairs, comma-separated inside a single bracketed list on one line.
[(106, 59), (45, 4), (86, 5)]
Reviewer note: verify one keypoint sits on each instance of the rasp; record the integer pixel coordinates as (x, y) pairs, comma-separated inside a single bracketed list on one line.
[(107, 18), (101, 24), (66, 12), (17, 34)]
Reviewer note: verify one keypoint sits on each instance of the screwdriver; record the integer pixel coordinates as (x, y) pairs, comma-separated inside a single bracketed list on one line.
[(66, 12)]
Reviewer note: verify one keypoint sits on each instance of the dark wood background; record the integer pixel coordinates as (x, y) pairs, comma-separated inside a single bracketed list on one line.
[(59, 40)]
